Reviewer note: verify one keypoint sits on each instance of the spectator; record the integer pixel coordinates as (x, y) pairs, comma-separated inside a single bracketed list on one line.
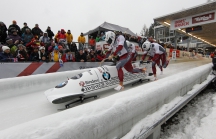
[(102, 37), (14, 26), (68, 56), (21, 53), (12, 46), (6, 56), (86, 51), (81, 39), (14, 36), (55, 55), (91, 56), (44, 39), (43, 55), (126, 36), (50, 33), (51, 47), (37, 31), (69, 38), (73, 48), (92, 43), (34, 43), (34, 55), (81, 57), (61, 49), (27, 36), (25, 27), (62, 35), (97, 38), (3, 32), (99, 56), (56, 36)]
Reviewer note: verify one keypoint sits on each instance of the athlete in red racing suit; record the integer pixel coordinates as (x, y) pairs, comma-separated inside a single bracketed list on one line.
[(119, 47), (159, 54)]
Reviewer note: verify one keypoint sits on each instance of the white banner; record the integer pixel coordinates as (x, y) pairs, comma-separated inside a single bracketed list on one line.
[(195, 20), (173, 55)]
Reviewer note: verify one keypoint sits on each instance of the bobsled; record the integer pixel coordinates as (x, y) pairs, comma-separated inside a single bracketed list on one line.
[(94, 81)]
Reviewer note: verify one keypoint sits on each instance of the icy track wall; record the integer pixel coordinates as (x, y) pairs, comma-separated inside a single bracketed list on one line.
[(113, 116), (11, 87)]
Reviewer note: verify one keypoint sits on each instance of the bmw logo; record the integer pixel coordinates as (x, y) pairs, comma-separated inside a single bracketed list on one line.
[(106, 75)]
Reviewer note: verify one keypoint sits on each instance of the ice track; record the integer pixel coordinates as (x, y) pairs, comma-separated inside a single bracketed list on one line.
[(27, 107)]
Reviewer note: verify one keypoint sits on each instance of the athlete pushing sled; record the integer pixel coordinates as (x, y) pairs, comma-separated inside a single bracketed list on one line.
[(157, 54), (118, 46)]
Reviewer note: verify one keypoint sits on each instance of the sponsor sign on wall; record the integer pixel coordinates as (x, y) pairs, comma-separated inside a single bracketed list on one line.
[(195, 20), (10, 70)]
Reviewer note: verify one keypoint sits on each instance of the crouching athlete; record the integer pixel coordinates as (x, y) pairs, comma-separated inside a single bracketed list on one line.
[(159, 54), (118, 46)]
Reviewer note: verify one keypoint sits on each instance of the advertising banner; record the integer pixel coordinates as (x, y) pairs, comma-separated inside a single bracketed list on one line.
[(195, 20), (9, 70)]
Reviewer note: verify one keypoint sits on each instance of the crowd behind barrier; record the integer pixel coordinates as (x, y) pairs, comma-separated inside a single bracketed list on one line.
[(32, 44)]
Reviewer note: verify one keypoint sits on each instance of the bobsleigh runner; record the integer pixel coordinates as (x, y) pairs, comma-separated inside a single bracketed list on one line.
[(90, 83)]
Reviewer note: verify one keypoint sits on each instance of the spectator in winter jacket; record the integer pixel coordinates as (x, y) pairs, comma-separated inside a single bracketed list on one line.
[(56, 36), (86, 51), (69, 37), (68, 56), (44, 39), (60, 49), (13, 46), (14, 36), (55, 55), (102, 36), (3, 32), (62, 35), (14, 26), (51, 47), (92, 43), (27, 36), (25, 27), (81, 57), (91, 56), (99, 56), (34, 43), (42, 54), (81, 39), (6, 56), (50, 33), (73, 48), (34, 55), (21, 54), (97, 38), (37, 31)]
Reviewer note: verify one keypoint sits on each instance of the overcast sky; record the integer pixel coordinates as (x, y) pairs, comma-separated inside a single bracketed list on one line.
[(84, 15)]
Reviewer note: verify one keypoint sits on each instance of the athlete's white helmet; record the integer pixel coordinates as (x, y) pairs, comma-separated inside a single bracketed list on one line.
[(146, 45), (110, 37)]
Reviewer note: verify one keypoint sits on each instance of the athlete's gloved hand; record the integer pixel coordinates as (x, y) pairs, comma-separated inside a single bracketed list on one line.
[(110, 57)]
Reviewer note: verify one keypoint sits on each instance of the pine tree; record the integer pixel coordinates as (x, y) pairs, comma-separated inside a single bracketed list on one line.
[(144, 30)]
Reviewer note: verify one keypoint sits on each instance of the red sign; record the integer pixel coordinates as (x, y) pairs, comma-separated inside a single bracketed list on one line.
[(181, 23), (177, 53), (203, 18)]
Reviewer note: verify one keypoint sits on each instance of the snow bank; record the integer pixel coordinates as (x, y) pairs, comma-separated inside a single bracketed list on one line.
[(117, 113), (28, 84)]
